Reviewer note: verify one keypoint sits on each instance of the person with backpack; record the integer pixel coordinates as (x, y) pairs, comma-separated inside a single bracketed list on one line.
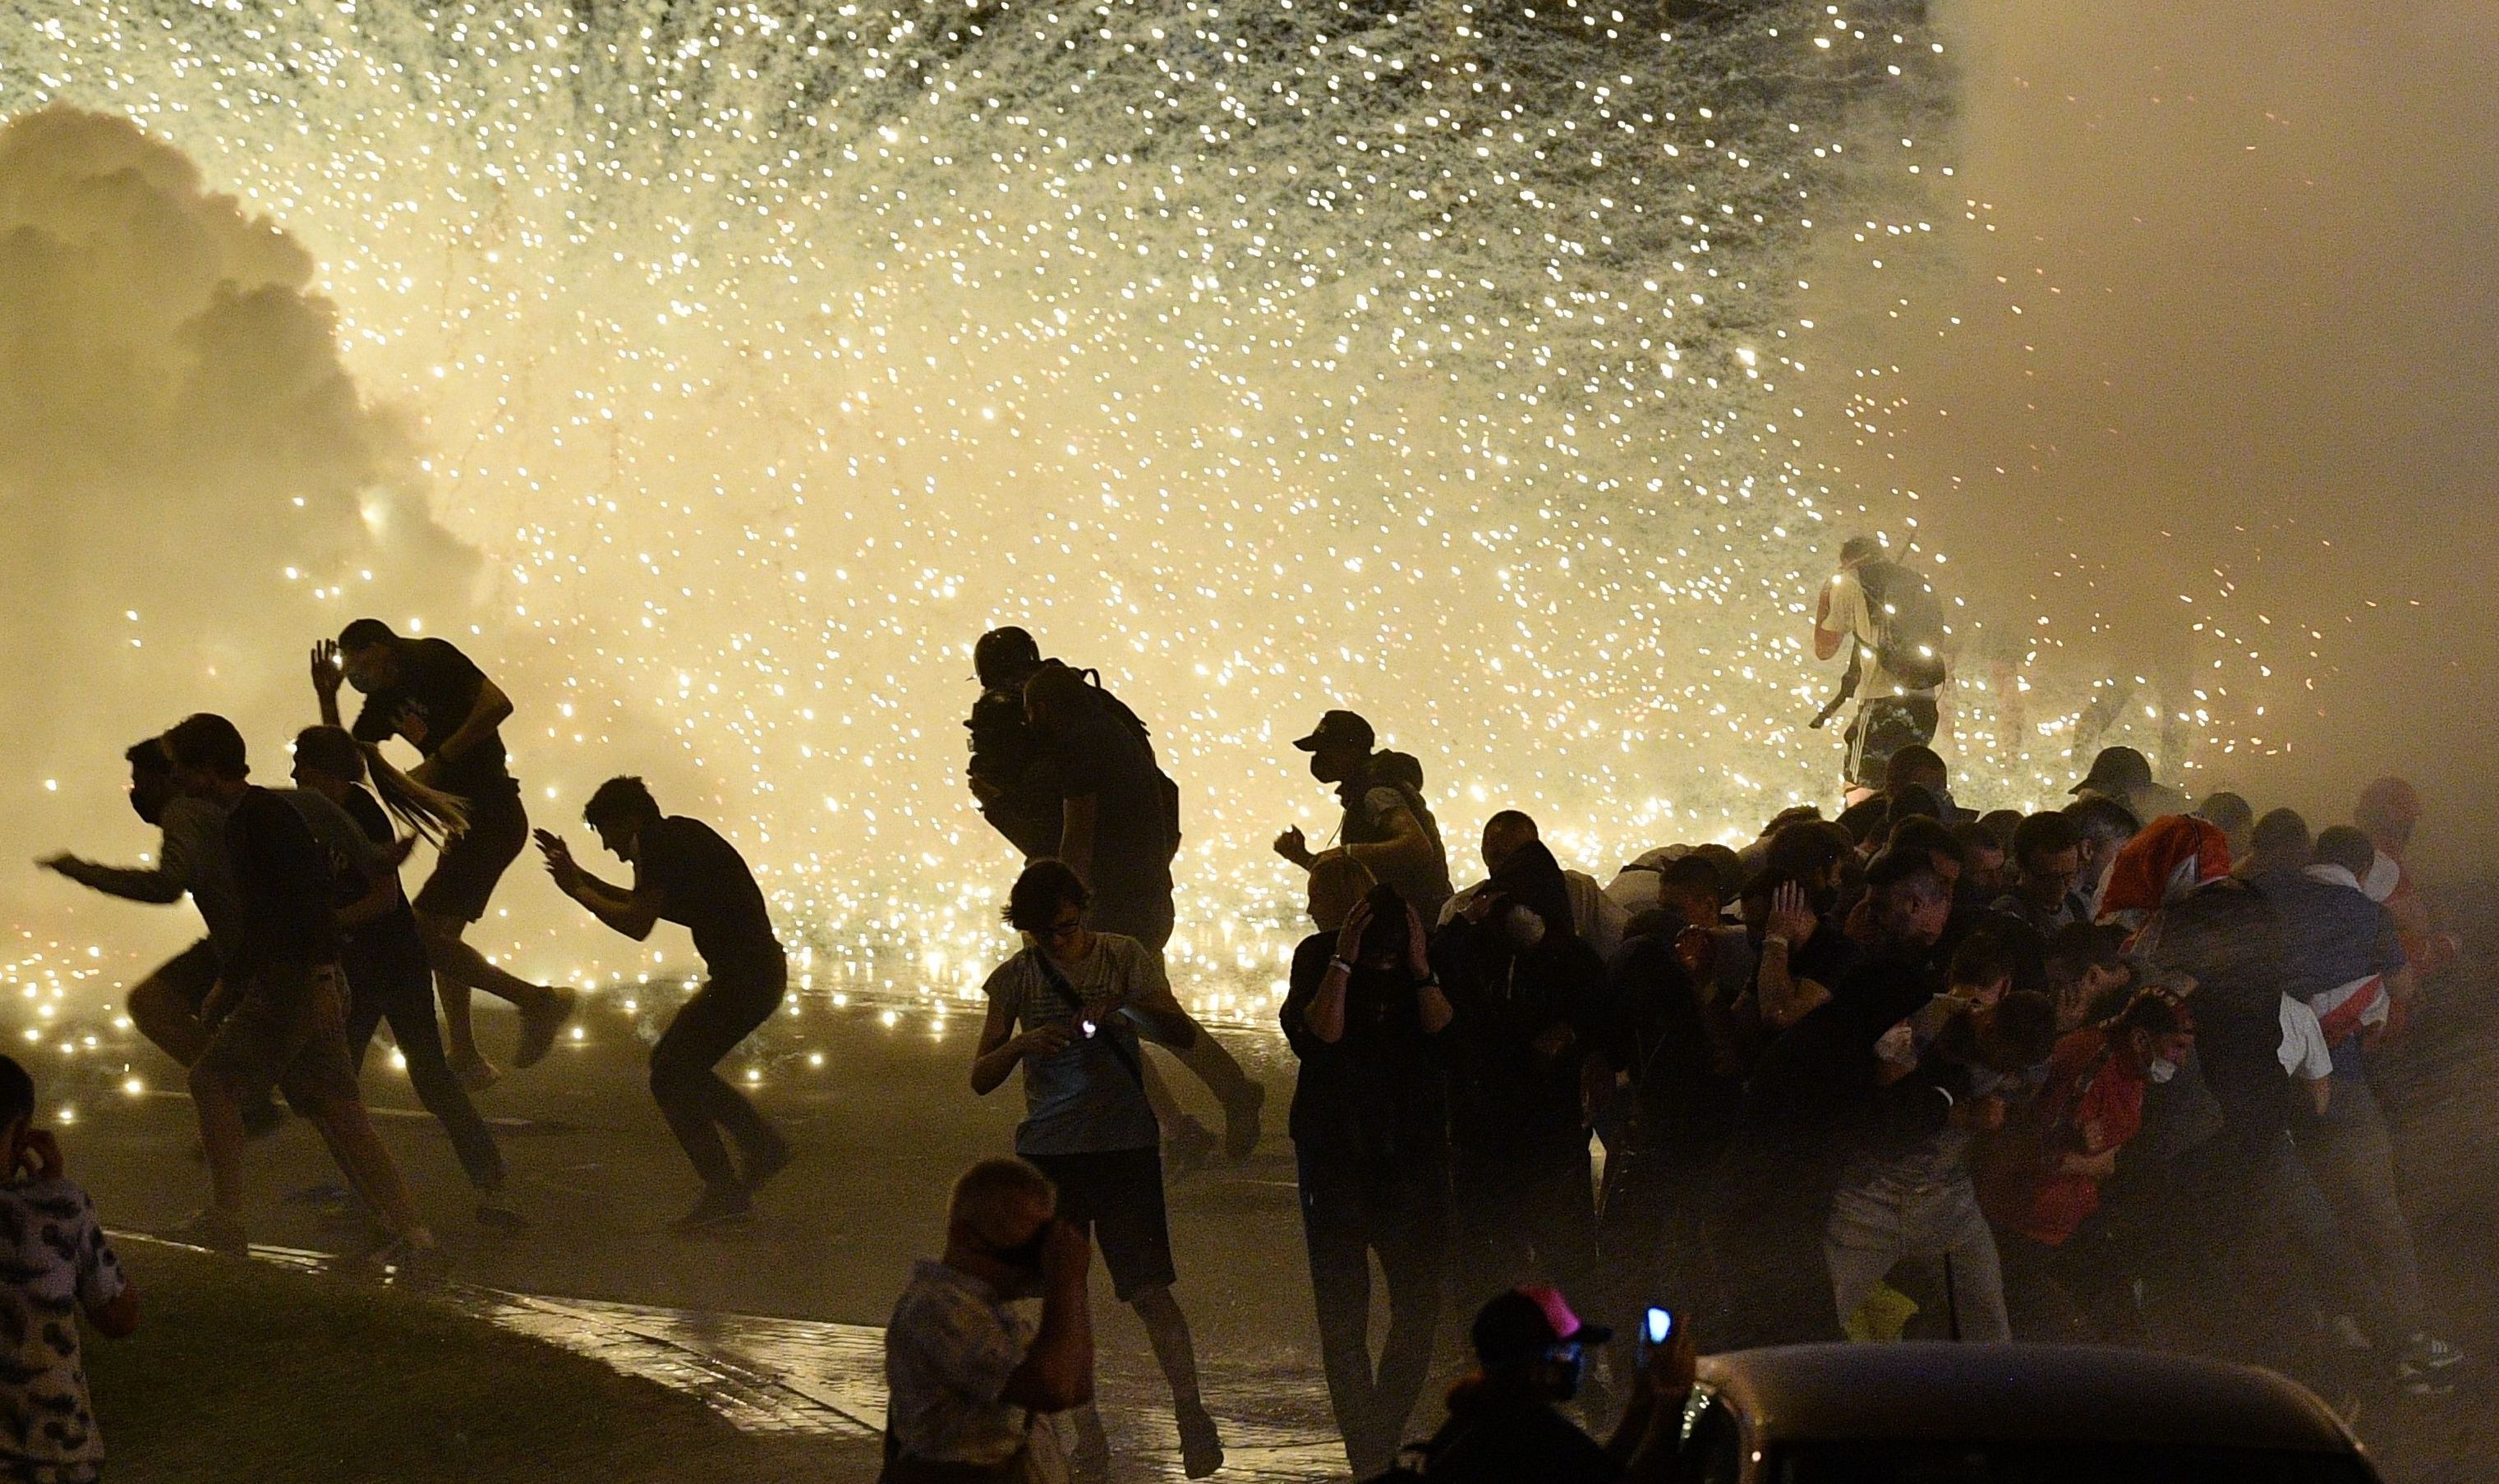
[(1069, 1008), (1894, 620), (1387, 826), (1119, 831)]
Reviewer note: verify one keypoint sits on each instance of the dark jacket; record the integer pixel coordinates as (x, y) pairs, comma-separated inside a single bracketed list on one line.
[(1506, 1094)]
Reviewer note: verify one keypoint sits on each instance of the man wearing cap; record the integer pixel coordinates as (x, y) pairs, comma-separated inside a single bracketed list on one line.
[(1891, 616), (1388, 828), (1504, 1425), (2123, 774)]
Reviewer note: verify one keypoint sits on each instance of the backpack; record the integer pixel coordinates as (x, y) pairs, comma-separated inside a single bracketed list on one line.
[(1908, 623), (1166, 787)]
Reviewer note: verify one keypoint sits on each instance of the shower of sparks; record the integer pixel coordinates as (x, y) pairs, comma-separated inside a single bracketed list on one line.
[(1430, 361)]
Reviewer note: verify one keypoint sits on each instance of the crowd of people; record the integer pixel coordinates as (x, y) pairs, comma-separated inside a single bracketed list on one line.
[(1907, 1069)]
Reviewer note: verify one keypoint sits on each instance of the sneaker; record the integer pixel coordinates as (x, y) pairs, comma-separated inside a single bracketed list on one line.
[(2425, 1352), (1189, 1143), (497, 1214), (760, 1168), (539, 1023), (1201, 1449), (721, 1205), (1241, 1123), (2349, 1335), (211, 1230), (411, 1264), (476, 1071)]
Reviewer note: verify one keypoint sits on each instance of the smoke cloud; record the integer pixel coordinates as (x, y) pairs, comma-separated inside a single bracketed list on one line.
[(194, 487), (2215, 346)]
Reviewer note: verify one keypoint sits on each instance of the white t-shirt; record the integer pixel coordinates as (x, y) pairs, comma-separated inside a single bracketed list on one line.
[(1852, 616), (2303, 1051)]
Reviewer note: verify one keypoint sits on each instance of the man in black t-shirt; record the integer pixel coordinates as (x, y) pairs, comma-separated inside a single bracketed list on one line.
[(1118, 831), (428, 694), (685, 873), (279, 1013)]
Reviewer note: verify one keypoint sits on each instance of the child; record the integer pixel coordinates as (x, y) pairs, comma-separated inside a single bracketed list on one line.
[(56, 1261)]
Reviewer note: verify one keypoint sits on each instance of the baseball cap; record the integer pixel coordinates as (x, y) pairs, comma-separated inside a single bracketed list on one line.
[(1528, 1319), (2117, 772), (1338, 729)]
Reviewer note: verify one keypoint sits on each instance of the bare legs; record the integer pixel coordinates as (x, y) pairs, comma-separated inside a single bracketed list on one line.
[(459, 969)]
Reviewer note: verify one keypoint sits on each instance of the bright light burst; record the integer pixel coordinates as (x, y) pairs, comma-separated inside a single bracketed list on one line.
[(1268, 356)]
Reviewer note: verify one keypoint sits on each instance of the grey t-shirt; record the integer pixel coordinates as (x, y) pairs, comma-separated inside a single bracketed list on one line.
[(1087, 1098)]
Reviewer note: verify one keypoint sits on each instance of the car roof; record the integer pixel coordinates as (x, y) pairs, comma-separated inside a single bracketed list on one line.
[(2019, 1393)]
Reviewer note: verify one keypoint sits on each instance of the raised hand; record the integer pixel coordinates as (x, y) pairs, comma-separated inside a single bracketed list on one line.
[(1349, 938), (327, 671), (1792, 916)]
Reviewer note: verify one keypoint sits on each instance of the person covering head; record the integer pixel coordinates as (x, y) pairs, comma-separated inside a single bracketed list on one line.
[(1526, 1323), (1338, 729), (2173, 855)]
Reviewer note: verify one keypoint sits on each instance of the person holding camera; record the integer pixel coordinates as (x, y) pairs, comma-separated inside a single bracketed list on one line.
[(1371, 1143), (972, 1383), (1068, 1009), (1506, 1421)]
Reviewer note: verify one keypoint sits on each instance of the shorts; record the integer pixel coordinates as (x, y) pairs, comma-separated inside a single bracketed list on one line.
[(1117, 1195), (1884, 725), (466, 873), (191, 974), (288, 1030)]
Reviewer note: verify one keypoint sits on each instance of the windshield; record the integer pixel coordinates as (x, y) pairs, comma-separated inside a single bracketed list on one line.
[(1893, 1462)]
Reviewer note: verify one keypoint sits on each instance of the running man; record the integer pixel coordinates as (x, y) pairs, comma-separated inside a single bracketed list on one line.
[(428, 694), (387, 974), (685, 873), (278, 1017)]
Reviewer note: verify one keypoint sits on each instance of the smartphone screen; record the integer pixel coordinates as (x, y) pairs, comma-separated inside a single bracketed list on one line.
[(1657, 1326)]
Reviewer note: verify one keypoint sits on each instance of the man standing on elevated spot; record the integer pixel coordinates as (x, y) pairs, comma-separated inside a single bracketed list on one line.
[(429, 693), (685, 872), (1892, 616), (1386, 827)]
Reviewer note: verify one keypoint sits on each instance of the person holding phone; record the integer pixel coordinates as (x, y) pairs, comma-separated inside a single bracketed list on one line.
[(1068, 1009), (1364, 1013), (1505, 1422)]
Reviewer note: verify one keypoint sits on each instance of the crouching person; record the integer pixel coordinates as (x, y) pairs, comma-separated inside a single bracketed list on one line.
[(973, 1384)]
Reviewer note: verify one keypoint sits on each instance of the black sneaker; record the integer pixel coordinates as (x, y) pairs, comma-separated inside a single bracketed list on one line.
[(1241, 1123), (721, 1205), (1201, 1448), (1189, 1145), (539, 1023), (497, 1214), (760, 1168), (408, 1265)]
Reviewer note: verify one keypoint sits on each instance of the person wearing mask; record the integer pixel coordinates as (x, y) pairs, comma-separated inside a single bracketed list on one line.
[(1386, 827), (191, 860), (686, 873), (1364, 1013), (428, 694), (1505, 1425), (2042, 1183), (1119, 831), (388, 976), (1598, 919), (278, 1017), (1530, 1055), (1889, 616), (973, 1385), (1068, 1009)]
